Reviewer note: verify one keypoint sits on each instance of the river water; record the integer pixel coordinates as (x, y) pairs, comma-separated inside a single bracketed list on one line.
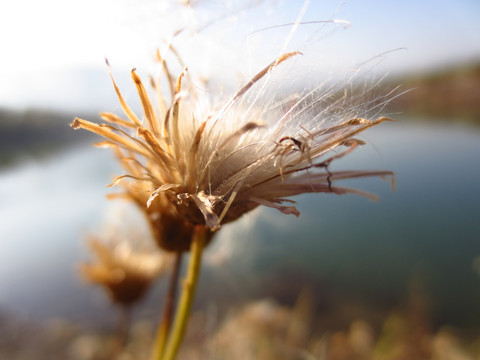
[(426, 230)]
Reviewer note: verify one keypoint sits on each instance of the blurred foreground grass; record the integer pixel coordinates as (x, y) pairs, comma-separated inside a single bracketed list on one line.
[(261, 329)]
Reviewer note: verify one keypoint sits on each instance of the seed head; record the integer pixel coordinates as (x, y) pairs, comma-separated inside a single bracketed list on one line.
[(125, 275), (196, 163)]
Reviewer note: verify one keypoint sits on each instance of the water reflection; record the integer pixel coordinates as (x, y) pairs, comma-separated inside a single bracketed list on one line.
[(46, 206), (427, 230)]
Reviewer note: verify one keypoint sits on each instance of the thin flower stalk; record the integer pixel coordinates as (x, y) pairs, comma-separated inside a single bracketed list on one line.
[(165, 324), (186, 300)]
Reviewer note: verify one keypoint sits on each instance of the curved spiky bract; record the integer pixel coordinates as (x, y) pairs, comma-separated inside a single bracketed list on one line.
[(209, 165)]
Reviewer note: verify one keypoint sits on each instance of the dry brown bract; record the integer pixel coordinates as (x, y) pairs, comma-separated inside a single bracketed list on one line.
[(211, 165)]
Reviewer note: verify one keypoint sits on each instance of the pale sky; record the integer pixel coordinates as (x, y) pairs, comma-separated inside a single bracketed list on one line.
[(42, 43)]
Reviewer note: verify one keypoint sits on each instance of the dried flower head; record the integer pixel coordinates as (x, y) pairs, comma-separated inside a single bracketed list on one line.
[(171, 231), (126, 275), (209, 165)]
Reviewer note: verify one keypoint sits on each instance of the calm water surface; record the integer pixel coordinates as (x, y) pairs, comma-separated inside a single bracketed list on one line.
[(426, 231)]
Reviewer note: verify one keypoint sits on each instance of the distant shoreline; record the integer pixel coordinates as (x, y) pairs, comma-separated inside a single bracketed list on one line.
[(35, 133), (448, 93)]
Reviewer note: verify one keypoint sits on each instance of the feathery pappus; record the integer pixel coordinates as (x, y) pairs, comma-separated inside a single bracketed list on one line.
[(199, 163)]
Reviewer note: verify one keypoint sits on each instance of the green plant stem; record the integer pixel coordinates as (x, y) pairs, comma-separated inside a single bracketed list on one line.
[(164, 327), (186, 300)]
